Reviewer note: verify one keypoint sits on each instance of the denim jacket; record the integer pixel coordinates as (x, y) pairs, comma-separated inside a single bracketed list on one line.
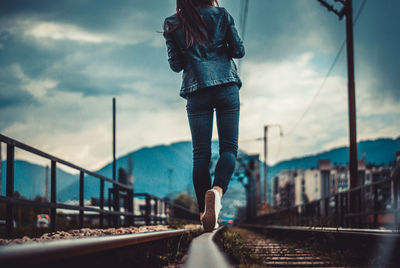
[(210, 65)]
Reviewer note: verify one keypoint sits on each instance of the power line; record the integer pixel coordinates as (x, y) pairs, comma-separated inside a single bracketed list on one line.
[(244, 10), (327, 75), (319, 89), (241, 13)]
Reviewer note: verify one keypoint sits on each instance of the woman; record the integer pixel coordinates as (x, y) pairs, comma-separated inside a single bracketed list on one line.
[(201, 40)]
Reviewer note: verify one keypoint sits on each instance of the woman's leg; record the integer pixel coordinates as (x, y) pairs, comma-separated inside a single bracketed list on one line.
[(228, 107), (200, 115)]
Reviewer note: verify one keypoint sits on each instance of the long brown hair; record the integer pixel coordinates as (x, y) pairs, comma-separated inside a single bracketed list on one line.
[(189, 19)]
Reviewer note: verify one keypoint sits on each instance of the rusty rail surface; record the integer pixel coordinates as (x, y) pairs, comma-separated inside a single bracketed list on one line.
[(57, 251)]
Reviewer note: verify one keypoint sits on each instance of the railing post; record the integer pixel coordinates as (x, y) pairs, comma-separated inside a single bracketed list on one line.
[(53, 197), (116, 217), (307, 213), (360, 193), (375, 205), (327, 200), (395, 202), (133, 207), (130, 221), (10, 190), (101, 203), (81, 198), (337, 210), (342, 210), (347, 209), (110, 217), (156, 211), (148, 210), (166, 211)]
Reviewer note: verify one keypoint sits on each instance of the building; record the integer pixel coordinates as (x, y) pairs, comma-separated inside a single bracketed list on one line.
[(296, 187)]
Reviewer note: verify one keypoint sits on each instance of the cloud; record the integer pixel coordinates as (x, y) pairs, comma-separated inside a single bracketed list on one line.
[(13, 91), (129, 32), (58, 31), (84, 125), (62, 64), (36, 87), (125, 23), (278, 92)]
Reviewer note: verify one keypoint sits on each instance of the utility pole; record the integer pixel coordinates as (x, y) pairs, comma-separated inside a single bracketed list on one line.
[(265, 166), (352, 96), (1, 171), (347, 11), (244, 10), (114, 170), (46, 184), (113, 126), (265, 159)]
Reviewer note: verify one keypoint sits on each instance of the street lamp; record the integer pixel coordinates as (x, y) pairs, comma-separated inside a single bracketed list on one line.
[(265, 158)]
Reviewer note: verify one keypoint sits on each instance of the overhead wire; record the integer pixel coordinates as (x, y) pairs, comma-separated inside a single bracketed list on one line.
[(330, 70), (327, 74), (244, 10), (243, 18)]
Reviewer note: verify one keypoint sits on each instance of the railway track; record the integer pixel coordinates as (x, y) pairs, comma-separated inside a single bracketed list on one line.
[(300, 246), (274, 253), (270, 246), (165, 248)]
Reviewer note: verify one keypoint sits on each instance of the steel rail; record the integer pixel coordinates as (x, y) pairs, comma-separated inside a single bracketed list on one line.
[(358, 247), (203, 252), (376, 233), (44, 252)]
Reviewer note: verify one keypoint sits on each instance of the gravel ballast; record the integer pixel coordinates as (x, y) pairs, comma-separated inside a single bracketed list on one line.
[(87, 232)]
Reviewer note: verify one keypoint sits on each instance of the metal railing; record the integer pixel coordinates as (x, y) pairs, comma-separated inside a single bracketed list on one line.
[(151, 214), (161, 210), (376, 205), (10, 200)]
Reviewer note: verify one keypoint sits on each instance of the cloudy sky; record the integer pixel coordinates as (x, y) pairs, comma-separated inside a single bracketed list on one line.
[(62, 62)]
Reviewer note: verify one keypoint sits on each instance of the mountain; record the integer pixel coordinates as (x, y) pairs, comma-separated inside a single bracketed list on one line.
[(164, 166), (152, 165), (160, 168), (380, 152), (29, 179)]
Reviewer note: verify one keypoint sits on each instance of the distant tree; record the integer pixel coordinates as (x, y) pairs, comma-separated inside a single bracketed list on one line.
[(185, 200), (305, 198), (17, 194)]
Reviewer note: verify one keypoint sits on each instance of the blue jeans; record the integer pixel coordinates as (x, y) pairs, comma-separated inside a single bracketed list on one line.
[(200, 109)]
